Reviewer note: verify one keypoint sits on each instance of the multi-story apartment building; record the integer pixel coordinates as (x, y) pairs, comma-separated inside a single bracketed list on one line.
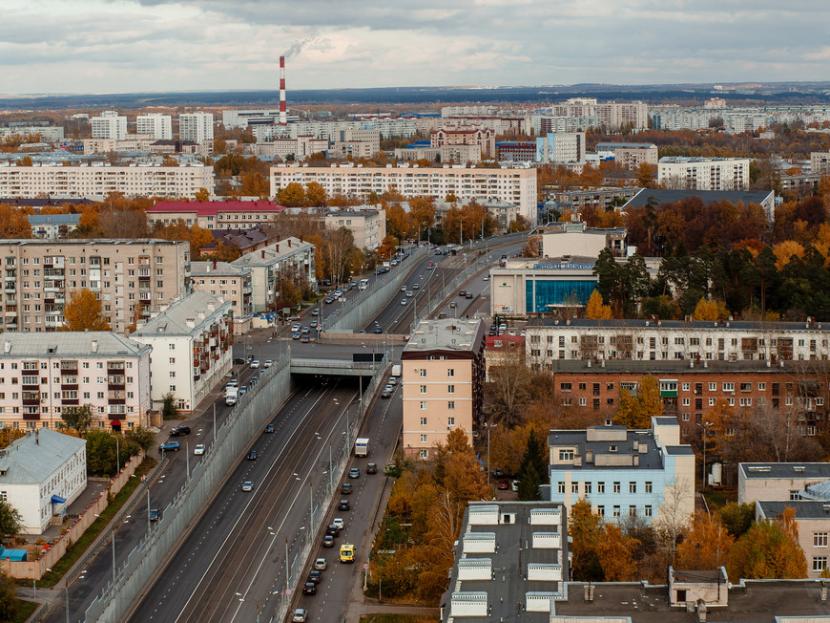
[(214, 214), (458, 154), (812, 519), (226, 281), (132, 278), (155, 125), (552, 340), (490, 581), (286, 148), (196, 127), (819, 162), (513, 185), (604, 197), (290, 257), (630, 155), (43, 375), (516, 151), (442, 379), (561, 148), (691, 390), (100, 179), (192, 342), (132, 142), (484, 138), (109, 125), (781, 482), (239, 118), (624, 473), (368, 225), (46, 133), (703, 173)]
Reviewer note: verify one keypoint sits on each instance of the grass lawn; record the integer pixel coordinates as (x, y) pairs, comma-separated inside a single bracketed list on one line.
[(80, 546), (395, 618), (24, 610)]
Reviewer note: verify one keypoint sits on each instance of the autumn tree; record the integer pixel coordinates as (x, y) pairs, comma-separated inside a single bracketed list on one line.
[(9, 520), (585, 529), (596, 309), (769, 549), (14, 223), (387, 247), (646, 175), (202, 195), (315, 194), (706, 545), (509, 388), (710, 309), (77, 418), (292, 196), (785, 251), (83, 313), (422, 214), (637, 408), (737, 518), (615, 551)]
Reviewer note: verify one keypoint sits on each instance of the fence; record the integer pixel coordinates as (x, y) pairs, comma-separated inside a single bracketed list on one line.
[(36, 569), (242, 425)]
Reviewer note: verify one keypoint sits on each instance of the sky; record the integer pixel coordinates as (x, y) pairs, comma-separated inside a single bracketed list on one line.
[(115, 46)]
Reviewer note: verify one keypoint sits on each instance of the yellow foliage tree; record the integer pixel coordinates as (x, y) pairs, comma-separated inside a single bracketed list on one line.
[(315, 194), (710, 309), (616, 554), (769, 549), (14, 223), (292, 196), (784, 252), (83, 313), (596, 309), (707, 544), (636, 410)]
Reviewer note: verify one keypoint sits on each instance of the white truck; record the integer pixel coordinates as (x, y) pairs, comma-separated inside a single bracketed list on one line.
[(396, 370), (361, 446), (231, 395)]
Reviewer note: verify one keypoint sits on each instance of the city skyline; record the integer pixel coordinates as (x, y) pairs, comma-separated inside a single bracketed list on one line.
[(156, 45)]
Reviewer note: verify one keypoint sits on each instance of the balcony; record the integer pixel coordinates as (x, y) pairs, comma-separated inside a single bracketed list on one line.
[(144, 295)]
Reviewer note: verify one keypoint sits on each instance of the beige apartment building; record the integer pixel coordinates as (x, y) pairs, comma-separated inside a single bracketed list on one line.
[(368, 225), (442, 383), (132, 279), (215, 215), (779, 482), (41, 375), (631, 155), (483, 138), (812, 518), (226, 281)]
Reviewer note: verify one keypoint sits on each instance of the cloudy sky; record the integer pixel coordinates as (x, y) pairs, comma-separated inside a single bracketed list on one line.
[(103, 46)]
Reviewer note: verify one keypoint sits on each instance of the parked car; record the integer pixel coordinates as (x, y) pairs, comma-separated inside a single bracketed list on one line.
[(320, 564), (354, 472), (251, 455), (328, 541), (170, 446), (371, 468), (238, 361), (305, 339), (315, 312), (178, 431), (247, 486), (299, 616), (503, 485), (199, 450), (344, 505)]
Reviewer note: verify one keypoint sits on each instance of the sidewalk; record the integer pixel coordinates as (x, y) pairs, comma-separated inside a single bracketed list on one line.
[(355, 612)]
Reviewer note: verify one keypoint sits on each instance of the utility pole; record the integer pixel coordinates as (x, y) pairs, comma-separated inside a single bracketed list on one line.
[(113, 558), (148, 508), (214, 423), (117, 457), (331, 465), (286, 569), (310, 509), (187, 458)]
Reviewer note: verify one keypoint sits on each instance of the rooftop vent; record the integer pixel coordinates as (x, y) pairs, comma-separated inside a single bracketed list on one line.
[(798, 468), (759, 468)]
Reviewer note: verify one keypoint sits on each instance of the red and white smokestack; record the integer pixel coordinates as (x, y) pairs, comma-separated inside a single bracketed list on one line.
[(283, 111)]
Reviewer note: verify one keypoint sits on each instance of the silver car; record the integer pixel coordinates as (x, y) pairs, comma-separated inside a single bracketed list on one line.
[(299, 616)]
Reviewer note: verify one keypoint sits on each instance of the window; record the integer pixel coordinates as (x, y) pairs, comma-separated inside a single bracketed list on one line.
[(561, 486), (565, 387), (171, 346), (588, 488), (601, 511), (632, 487), (616, 488), (423, 421), (172, 388), (819, 539), (450, 421), (601, 487), (423, 438), (450, 389), (819, 563), (795, 494), (423, 405), (713, 387), (616, 511), (575, 487), (423, 389), (649, 486), (632, 511), (451, 404), (450, 372), (172, 360), (566, 455), (422, 372), (647, 510)]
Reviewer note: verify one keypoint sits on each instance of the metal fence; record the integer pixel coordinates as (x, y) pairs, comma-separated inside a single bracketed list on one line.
[(240, 428)]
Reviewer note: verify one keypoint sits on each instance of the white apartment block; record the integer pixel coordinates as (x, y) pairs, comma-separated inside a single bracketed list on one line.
[(611, 115), (196, 127), (132, 142), (458, 154), (42, 375), (776, 342), (561, 148), (368, 225), (703, 173), (109, 125), (298, 148), (131, 277), (47, 133), (156, 125), (239, 118), (820, 162), (225, 281), (630, 155), (192, 349), (41, 474), (101, 179), (509, 185)]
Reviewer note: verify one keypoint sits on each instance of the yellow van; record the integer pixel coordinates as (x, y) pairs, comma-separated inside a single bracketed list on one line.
[(347, 552)]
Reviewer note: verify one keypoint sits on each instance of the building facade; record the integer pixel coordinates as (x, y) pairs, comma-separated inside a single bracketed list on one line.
[(483, 138), (109, 124), (100, 179), (44, 375), (577, 239), (624, 473), (561, 148), (225, 281), (442, 379), (812, 518), (528, 287), (192, 344), (703, 173), (514, 185), (368, 225), (131, 277), (630, 155), (41, 474), (53, 226), (155, 125), (219, 215), (290, 257), (196, 127)]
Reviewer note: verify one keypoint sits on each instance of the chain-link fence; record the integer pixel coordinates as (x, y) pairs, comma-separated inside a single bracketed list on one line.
[(242, 425)]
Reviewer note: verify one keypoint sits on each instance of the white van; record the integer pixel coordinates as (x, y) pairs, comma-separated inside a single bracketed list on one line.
[(364, 283)]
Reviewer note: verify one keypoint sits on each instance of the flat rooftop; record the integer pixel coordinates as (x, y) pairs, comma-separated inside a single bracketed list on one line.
[(683, 366), (446, 334), (198, 309), (804, 509), (69, 344), (784, 470), (681, 325), (650, 459), (662, 196)]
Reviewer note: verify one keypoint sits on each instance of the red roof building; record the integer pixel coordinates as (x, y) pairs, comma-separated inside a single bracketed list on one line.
[(214, 214)]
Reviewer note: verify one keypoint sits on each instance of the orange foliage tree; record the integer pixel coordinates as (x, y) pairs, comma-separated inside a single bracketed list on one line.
[(83, 313)]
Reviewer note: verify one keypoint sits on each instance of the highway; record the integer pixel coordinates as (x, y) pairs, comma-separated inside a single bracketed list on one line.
[(84, 586), (226, 569)]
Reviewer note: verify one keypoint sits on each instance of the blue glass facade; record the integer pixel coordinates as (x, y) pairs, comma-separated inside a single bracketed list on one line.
[(542, 293)]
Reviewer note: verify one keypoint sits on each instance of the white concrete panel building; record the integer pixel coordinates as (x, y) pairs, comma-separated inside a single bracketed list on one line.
[(155, 125), (41, 474), (109, 125), (368, 225), (703, 173), (196, 127)]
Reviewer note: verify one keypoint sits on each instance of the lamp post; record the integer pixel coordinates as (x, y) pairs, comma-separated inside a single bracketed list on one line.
[(704, 428)]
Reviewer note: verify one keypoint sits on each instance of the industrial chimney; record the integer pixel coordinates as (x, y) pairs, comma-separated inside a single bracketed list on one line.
[(283, 112)]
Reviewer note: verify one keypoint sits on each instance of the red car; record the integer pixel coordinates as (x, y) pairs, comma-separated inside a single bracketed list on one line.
[(503, 485)]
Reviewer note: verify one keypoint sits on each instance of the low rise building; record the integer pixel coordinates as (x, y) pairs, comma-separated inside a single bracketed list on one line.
[(511, 557), (225, 281), (53, 226), (624, 473), (602, 198), (368, 225), (703, 173), (46, 133), (214, 214), (812, 518), (41, 474), (503, 350), (130, 142), (819, 162), (446, 154), (779, 482), (577, 239), (245, 240), (442, 383), (663, 196), (289, 257), (47, 373), (192, 342), (630, 155), (286, 148)]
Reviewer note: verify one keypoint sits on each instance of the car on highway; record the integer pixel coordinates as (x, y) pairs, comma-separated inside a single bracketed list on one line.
[(305, 339), (170, 446), (386, 393), (178, 431), (313, 324), (315, 312), (394, 262), (344, 505), (268, 363), (296, 327), (354, 472), (486, 278), (469, 295), (155, 514), (247, 486), (315, 575), (403, 288), (377, 329), (338, 523), (346, 488), (371, 468), (338, 293), (404, 301), (453, 305), (392, 381), (243, 390), (410, 293), (251, 455), (332, 530), (269, 428), (299, 616), (320, 564), (199, 450), (347, 553), (309, 588), (462, 293), (255, 364), (328, 541), (232, 383), (416, 287), (238, 361), (295, 335), (328, 300)]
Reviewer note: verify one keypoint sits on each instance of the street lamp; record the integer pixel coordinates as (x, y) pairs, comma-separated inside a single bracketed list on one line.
[(705, 429)]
